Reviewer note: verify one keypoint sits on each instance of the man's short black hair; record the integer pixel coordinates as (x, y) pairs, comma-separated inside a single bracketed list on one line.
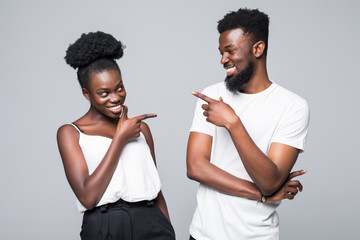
[(251, 21)]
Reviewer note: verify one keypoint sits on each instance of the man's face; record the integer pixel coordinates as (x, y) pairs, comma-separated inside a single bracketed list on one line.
[(236, 52)]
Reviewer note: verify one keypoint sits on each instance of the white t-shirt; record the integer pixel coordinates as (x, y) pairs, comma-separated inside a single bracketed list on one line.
[(135, 178), (273, 115)]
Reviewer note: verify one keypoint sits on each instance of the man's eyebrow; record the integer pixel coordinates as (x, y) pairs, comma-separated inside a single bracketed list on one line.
[(227, 46)]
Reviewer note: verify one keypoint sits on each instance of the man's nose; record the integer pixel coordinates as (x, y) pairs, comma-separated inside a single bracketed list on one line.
[(224, 59)]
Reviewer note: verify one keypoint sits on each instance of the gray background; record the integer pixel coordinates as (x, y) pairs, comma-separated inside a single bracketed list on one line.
[(172, 50)]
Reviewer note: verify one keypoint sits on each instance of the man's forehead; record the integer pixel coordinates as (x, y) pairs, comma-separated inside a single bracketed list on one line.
[(231, 37), (233, 33)]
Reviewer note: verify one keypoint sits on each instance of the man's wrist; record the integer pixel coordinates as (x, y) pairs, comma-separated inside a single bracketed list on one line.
[(232, 125)]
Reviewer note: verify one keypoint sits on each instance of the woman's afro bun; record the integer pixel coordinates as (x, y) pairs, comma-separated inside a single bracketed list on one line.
[(92, 46)]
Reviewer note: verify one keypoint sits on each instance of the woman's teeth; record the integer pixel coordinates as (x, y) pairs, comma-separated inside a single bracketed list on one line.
[(115, 107)]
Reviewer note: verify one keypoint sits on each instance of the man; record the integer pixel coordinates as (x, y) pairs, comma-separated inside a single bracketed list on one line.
[(246, 135)]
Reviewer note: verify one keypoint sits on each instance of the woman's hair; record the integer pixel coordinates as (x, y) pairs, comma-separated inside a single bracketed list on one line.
[(93, 53)]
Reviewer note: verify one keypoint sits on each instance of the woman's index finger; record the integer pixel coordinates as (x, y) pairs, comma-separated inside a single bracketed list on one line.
[(145, 116)]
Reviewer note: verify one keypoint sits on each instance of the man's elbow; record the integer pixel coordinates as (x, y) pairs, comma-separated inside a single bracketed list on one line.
[(268, 191), (193, 172), (269, 188)]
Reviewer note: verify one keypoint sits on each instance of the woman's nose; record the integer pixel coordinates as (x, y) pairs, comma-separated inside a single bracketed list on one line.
[(114, 98)]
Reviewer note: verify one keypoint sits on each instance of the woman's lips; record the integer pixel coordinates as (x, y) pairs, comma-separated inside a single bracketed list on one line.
[(115, 109)]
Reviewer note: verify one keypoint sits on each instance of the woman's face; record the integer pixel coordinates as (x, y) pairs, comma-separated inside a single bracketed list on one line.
[(106, 93)]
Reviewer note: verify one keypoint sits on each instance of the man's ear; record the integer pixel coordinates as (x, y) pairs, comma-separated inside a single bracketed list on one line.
[(85, 93), (258, 49)]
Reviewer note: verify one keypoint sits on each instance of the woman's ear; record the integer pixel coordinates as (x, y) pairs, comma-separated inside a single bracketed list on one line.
[(85, 93), (258, 49)]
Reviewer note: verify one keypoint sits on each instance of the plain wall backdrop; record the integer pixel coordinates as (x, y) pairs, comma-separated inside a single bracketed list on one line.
[(172, 49)]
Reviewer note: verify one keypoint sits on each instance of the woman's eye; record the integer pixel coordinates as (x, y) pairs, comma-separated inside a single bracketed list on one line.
[(103, 94)]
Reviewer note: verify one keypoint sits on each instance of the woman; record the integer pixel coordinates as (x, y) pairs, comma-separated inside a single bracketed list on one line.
[(109, 158)]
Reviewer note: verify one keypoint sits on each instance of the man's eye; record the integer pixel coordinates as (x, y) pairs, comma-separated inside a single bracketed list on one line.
[(120, 89)]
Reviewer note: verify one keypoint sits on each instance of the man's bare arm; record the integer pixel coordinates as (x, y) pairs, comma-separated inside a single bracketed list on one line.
[(268, 172), (201, 170)]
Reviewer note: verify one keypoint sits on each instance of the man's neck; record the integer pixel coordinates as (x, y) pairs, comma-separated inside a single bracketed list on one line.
[(256, 84), (259, 81)]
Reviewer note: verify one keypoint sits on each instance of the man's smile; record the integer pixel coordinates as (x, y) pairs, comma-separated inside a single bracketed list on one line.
[(230, 70)]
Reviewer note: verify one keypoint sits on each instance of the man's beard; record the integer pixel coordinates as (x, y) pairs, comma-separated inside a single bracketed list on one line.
[(236, 83)]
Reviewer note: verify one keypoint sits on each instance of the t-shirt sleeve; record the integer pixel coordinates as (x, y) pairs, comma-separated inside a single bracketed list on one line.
[(293, 126), (199, 123)]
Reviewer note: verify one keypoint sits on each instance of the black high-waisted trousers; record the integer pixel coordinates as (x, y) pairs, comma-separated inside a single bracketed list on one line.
[(126, 221)]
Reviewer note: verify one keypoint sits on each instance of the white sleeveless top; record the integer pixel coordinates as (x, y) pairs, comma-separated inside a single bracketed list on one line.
[(135, 178)]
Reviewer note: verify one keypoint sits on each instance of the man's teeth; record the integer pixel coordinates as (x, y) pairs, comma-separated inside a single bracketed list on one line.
[(115, 107), (230, 69)]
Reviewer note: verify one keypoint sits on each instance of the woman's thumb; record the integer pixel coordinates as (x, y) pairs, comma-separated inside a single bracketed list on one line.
[(124, 112)]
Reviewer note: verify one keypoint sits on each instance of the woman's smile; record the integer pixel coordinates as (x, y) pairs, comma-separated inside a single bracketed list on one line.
[(116, 109)]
